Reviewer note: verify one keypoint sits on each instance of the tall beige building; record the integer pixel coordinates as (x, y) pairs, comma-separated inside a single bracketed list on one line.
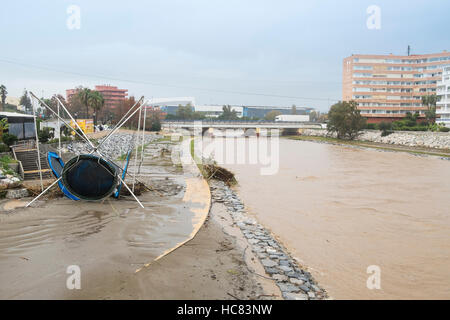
[(386, 87)]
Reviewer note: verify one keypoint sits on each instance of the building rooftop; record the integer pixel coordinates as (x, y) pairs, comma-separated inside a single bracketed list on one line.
[(15, 114)]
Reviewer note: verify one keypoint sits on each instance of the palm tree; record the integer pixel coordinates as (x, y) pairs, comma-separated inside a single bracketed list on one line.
[(84, 94), (294, 109), (430, 102), (96, 102), (3, 94)]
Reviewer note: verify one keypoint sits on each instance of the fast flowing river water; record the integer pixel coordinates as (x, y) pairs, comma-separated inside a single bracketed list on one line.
[(340, 210)]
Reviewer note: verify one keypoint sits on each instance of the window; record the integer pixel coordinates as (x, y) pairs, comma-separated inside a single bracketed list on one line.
[(362, 75), (362, 68)]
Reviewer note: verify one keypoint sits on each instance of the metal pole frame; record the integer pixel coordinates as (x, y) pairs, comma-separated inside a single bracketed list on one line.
[(84, 137), (113, 130), (118, 127), (59, 135), (64, 121), (37, 143), (76, 123), (137, 147), (143, 139), (44, 191)]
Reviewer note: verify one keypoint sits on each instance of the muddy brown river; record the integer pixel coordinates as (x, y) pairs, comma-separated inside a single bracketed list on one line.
[(340, 210)]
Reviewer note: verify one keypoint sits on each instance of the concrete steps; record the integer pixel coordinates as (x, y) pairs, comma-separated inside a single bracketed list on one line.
[(30, 165)]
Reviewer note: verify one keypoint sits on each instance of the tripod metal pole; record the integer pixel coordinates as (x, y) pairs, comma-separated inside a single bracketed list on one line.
[(132, 193), (48, 188), (76, 123), (143, 139), (63, 121), (37, 144), (118, 127), (59, 135), (137, 145), (121, 122)]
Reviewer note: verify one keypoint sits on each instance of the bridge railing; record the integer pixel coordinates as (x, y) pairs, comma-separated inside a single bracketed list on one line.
[(238, 122)]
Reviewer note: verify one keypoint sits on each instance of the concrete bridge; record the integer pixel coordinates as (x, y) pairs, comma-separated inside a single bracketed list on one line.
[(206, 124)]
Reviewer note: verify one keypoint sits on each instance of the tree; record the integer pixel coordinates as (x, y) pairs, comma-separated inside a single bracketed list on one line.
[(185, 113), (430, 102), (122, 108), (294, 109), (313, 116), (9, 139), (228, 113), (4, 125), (84, 94), (323, 117), (155, 121), (96, 102), (45, 134), (385, 127), (49, 103), (26, 102), (74, 104), (270, 116), (3, 94), (345, 120)]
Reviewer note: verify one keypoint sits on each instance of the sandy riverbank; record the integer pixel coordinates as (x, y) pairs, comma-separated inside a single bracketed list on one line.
[(210, 266), (110, 241)]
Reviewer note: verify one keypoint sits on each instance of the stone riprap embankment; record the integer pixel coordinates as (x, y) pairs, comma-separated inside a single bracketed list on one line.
[(10, 183), (294, 282), (117, 145), (440, 140)]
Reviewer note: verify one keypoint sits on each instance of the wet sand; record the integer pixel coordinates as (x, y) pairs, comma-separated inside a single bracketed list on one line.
[(210, 266), (116, 243)]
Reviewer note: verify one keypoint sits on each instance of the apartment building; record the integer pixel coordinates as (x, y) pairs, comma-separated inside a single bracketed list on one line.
[(443, 92), (386, 87), (111, 94)]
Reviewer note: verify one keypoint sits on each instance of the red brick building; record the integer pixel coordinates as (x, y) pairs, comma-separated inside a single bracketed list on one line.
[(112, 95)]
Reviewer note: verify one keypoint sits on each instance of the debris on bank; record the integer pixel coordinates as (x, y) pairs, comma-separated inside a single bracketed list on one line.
[(213, 171)]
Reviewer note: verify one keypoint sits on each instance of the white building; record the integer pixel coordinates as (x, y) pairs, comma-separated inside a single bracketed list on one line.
[(214, 111), (443, 91)]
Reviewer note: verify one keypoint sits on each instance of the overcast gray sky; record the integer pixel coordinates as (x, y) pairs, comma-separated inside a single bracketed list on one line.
[(221, 52)]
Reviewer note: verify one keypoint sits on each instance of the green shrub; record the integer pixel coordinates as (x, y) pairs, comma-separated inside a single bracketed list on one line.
[(78, 137), (156, 126), (444, 129), (4, 147), (63, 139), (45, 135), (9, 139), (64, 131), (371, 126), (7, 159), (384, 126)]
